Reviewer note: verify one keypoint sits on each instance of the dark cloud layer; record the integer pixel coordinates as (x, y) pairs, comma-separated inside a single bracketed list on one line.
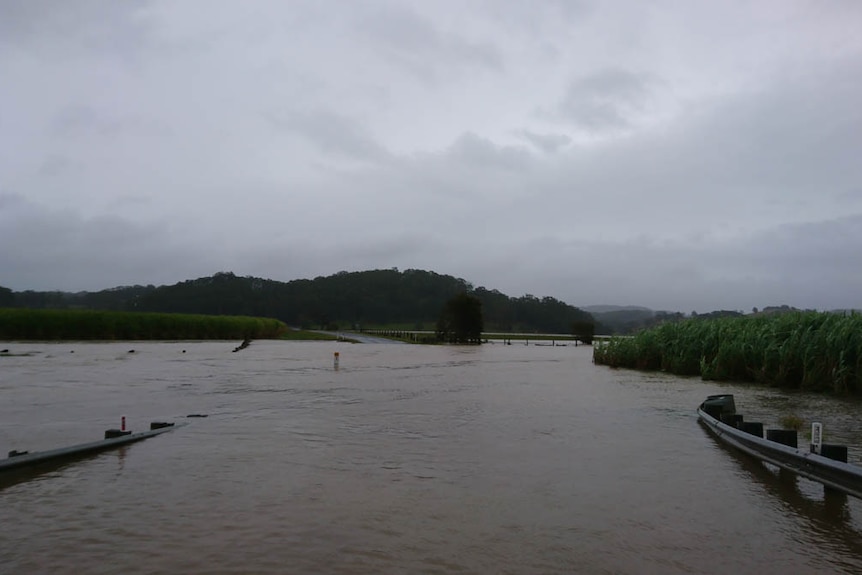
[(686, 157)]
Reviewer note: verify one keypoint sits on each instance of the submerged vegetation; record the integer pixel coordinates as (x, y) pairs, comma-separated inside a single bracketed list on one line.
[(792, 421), (805, 350), (49, 324), (461, 320), (308, 335)]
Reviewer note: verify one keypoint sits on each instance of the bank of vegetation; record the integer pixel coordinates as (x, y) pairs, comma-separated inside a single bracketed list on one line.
[(812, 351), (51, 324), (343, 301)]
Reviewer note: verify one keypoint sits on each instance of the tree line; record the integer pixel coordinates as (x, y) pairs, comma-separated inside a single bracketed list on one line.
[(410, 299)]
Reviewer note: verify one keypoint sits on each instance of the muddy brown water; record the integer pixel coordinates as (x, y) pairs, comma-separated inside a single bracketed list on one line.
[(406, 459)]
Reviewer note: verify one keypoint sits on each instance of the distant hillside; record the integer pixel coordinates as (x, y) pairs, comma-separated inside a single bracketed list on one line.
[(632, 319), (412, 299), (612, 308)]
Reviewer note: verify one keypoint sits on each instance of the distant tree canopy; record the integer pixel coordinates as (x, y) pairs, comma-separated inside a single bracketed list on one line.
[(461, 320), (624, 321), (584, 330), (7, 297), (719, 313), (411, 299), (630, 321)]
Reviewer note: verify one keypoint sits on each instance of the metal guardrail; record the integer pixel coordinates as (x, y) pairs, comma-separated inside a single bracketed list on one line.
[(20, 460), (837, 475)]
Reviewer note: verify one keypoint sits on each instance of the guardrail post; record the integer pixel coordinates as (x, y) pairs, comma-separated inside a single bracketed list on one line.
[(783, 436), (836, 452), (752, 427)]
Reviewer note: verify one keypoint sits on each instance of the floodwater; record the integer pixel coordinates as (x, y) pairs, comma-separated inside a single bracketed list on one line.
[(405, 459)]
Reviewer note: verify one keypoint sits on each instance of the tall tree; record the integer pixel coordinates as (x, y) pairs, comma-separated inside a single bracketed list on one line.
[(584, 330), (461, 320), (7, 297)]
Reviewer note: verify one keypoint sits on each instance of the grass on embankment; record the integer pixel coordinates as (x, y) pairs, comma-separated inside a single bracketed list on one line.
[(305, 335), (51, 324), (805, 350), (529, 337), (430, 337)]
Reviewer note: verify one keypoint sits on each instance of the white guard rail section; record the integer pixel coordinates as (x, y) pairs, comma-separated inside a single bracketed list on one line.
[(834, 474), (29, 459)]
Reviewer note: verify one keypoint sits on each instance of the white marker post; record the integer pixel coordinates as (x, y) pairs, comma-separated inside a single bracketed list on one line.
[(335, 360), (816, 437)]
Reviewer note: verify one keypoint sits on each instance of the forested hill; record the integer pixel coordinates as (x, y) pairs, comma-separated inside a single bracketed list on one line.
[(410, 298)]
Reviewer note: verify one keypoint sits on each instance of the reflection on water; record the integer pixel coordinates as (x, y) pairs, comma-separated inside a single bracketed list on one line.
[(509, 459), (829, 526)]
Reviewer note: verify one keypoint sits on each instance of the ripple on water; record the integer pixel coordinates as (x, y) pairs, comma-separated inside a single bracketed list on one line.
[(516, 459)]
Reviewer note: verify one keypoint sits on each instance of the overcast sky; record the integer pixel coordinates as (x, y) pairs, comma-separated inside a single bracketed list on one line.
[(681, 155)]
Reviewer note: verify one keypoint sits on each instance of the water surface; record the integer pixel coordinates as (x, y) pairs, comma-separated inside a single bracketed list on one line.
[(406, 459)]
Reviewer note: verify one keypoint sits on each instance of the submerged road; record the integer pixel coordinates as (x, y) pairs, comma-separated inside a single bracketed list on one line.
[(423, 459), (361, 338)]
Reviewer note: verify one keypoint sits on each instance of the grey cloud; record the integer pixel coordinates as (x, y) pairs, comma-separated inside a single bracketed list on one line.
[(77, 118), (830, 249), (400, 134), (808, 264), (548, 143), (333, 133), (472, 150), (416, 44), (534, 18), (850, 196), (55, 165), (392, 250), (86, 253), (750, 160), (608, 99), (793, 265), (796, 135), (52, 27)]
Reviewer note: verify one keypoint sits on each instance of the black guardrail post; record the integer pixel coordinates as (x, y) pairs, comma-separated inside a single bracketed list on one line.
[(832, 451), (783, 436), (753, 427)]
